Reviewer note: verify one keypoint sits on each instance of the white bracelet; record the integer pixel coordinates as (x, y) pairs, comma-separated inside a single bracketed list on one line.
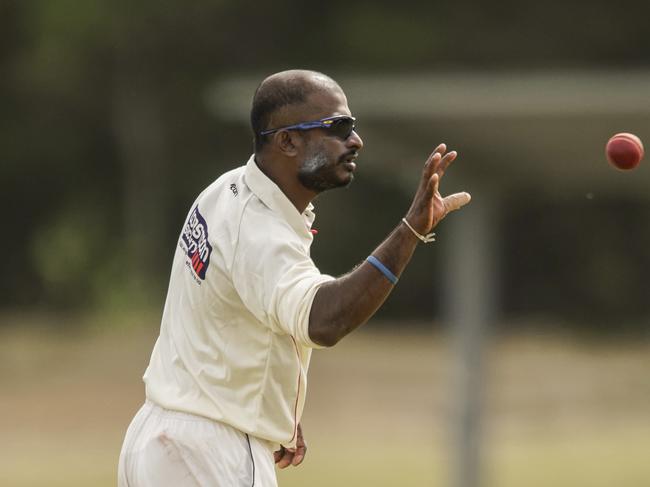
[(429, 237)]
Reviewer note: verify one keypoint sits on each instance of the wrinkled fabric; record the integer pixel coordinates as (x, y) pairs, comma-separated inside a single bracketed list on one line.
[(170, 449), (234, 342)]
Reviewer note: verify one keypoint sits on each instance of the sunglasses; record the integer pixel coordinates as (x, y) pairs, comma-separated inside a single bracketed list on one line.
[(340, 126)]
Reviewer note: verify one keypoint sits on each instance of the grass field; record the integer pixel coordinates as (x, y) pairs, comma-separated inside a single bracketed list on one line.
[(379, 410)]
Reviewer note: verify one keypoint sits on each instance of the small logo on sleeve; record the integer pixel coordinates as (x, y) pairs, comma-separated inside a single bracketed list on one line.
[(195, 242)]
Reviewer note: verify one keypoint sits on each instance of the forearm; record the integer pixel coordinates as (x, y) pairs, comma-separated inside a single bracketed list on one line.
[(346, 303)]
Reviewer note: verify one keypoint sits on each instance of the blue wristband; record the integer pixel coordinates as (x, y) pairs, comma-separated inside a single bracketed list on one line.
[(382, 268)]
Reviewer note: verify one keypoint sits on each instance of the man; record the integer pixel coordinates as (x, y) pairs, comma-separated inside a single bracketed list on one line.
[(226, 383)]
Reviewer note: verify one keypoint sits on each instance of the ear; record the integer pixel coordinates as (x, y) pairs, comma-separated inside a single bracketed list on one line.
[(288, 142)]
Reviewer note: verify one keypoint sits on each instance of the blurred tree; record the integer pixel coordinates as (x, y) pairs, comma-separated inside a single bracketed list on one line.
[(105, 137), (584, 260)]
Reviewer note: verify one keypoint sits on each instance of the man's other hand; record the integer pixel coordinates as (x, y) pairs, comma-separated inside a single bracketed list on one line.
[(291, 456)]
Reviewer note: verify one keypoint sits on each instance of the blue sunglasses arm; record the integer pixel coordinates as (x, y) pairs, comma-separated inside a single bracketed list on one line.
[(298, 126)]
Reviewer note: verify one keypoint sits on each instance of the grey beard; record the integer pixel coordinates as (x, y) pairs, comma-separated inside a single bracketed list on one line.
[(315, 174), (314, 163)]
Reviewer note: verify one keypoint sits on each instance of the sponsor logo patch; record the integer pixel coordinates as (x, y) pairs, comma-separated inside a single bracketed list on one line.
[(194, 241)]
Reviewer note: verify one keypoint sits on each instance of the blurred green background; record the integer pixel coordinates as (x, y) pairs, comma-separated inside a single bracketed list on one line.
[(515, 347)]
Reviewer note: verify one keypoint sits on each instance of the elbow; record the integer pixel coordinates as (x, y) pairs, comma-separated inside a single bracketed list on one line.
[(329, 318), (323, 335)]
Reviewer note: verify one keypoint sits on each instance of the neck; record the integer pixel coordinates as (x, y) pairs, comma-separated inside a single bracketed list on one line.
[(287, 181)]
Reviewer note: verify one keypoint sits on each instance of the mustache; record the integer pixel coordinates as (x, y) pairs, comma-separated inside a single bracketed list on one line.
[(348, 155)]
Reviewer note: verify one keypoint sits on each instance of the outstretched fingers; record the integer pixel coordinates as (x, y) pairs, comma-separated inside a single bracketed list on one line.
[(432, 164), (432, 186), (439, 161), (445, 161), (441, 149)]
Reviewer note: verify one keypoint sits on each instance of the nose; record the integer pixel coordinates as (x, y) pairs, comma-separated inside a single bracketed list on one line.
[(354, 141)]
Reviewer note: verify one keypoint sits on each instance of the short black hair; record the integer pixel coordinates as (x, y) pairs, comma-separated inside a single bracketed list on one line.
[(277, 91)]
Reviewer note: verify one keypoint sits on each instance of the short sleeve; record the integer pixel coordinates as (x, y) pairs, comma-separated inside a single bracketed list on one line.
[(275, 277)]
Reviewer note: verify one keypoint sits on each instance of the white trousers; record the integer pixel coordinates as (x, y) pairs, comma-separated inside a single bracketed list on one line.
[(165, 448)]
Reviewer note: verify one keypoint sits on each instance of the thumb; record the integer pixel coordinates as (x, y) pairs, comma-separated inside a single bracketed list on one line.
[(455, 201)]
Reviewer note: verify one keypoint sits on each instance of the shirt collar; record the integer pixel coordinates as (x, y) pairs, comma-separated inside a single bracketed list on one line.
[(273, 197)]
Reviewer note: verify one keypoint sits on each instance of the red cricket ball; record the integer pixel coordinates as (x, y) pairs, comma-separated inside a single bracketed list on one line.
[(624, 151)]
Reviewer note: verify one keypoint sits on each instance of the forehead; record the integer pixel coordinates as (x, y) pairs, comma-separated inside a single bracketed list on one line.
[(327, 103), (321, 104)]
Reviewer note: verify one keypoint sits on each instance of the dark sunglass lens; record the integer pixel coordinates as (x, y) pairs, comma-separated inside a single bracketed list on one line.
[(342, 128)]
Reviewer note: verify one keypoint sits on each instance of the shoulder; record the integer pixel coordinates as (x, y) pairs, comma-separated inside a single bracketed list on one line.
[(228, 182), (262, 225)]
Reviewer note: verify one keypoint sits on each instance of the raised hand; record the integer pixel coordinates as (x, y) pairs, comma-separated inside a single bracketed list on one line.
[(428, 206)]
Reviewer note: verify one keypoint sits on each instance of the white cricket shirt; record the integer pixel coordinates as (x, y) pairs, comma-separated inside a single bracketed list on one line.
[(234, 343)]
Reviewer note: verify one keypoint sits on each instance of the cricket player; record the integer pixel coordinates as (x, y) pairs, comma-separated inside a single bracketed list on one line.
[(226, 383)]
